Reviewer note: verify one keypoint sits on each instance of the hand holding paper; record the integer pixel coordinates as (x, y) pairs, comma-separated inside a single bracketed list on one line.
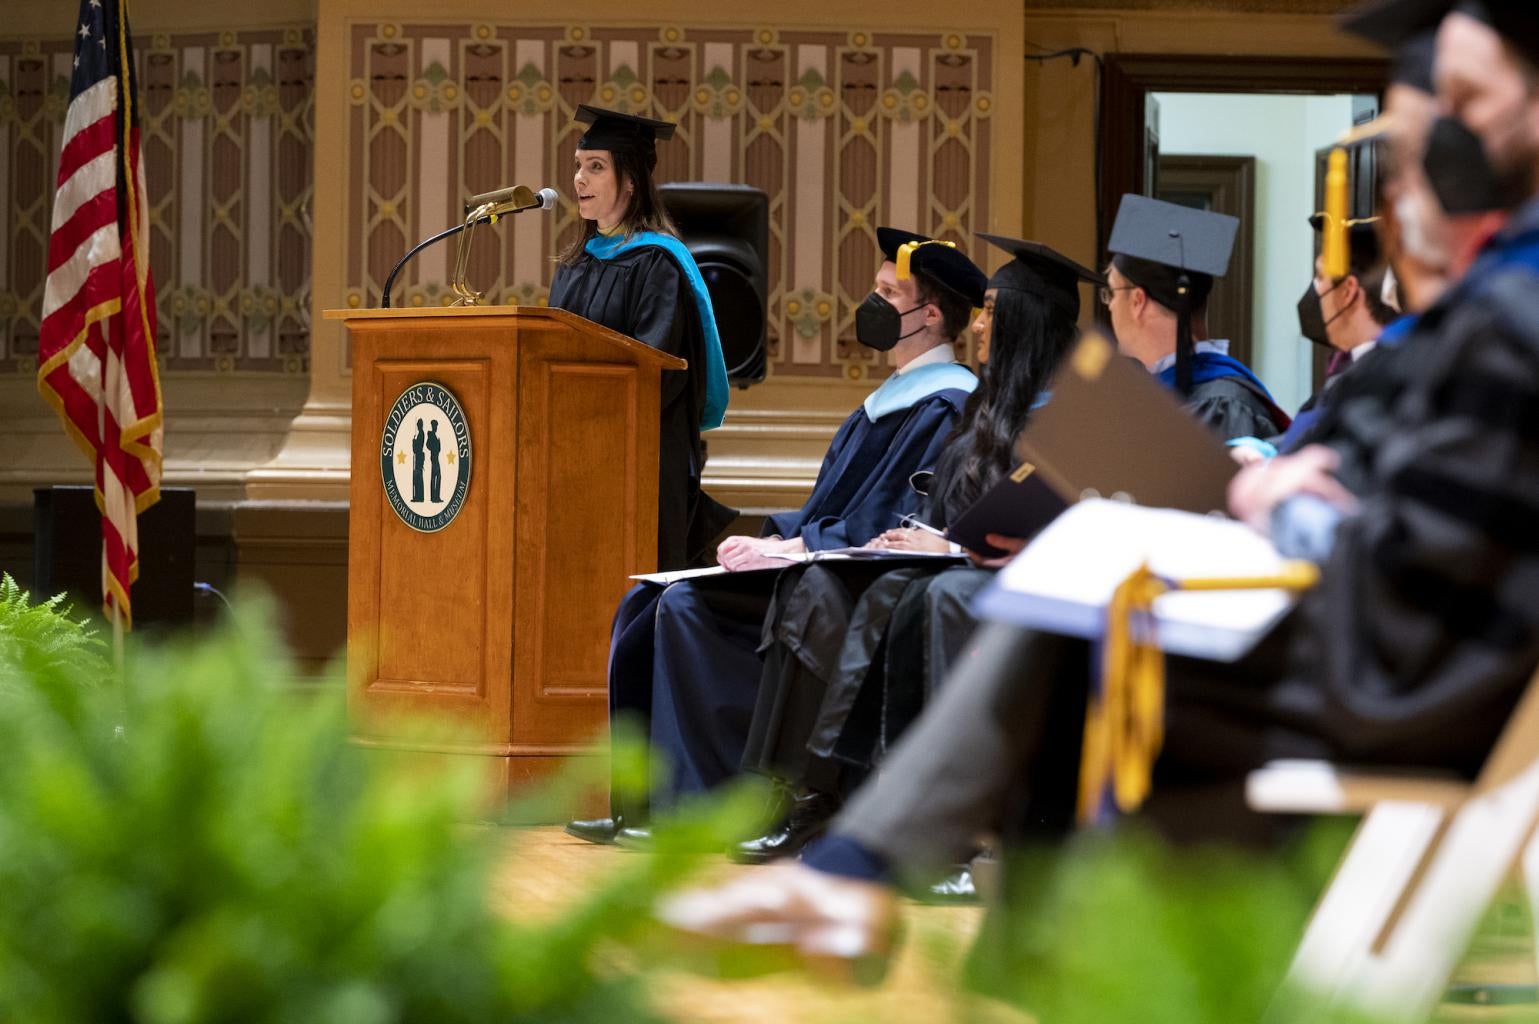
[(1064, 579)]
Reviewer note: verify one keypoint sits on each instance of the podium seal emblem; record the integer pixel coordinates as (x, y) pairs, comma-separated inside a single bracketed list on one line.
[(424, 457)]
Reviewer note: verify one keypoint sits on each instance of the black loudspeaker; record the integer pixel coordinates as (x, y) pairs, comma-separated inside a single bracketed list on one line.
[(67, 553), (726, 229)]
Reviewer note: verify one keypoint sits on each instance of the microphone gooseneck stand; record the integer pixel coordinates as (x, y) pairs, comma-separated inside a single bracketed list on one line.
[(487, 208), (384, 302)]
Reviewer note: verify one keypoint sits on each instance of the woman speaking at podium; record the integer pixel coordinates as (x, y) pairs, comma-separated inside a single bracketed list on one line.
[(629, 272)]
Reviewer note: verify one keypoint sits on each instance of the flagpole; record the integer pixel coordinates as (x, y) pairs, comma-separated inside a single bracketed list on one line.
[(117, 639), (96, 345)]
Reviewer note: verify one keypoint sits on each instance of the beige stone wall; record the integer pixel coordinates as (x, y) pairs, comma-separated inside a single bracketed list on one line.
[(1060, 99), (925, 132)]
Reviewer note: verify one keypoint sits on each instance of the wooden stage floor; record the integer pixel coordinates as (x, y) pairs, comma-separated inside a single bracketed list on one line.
[(543, 867)]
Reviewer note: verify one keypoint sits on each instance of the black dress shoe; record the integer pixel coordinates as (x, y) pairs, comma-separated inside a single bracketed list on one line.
[(956, 887), (806, 820), (638, 838), (596, 830)]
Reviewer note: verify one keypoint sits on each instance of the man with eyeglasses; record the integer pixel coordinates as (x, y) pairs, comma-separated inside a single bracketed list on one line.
[(1166, 258)]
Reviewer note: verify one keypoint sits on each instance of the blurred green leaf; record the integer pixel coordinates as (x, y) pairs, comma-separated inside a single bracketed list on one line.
[(199, 843)]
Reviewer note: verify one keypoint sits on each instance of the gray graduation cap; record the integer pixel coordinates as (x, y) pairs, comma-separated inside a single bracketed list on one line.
[(612, 130), (1175, 236), (1042, 271), (1173, 253)]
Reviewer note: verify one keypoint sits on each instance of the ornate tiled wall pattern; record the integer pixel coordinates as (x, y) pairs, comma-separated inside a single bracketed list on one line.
[(226, 122), (843, 130)]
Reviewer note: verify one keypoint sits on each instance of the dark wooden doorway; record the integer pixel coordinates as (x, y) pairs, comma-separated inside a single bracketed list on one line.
[(1128, 79), (1221, 184)]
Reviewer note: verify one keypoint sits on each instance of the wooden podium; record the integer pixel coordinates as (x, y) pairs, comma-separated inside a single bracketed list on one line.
[(500, 619)]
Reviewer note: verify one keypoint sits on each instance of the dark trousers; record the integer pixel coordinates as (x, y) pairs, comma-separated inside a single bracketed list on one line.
[(705, 678), (997, 750), (631, 645)]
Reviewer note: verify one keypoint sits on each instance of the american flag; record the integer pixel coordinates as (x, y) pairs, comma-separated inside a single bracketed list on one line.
[(96, 344)]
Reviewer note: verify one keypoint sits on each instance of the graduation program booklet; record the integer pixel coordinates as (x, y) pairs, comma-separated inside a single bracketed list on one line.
[(1113, 429), (1018, 506), (1109, 429), (799, 557), (1063, 580)]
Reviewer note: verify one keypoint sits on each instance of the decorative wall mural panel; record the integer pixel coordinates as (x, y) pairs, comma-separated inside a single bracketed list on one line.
[(226, 120), (843, 131)]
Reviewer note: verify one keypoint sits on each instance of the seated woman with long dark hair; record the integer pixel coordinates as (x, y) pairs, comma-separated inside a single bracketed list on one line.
[(852, 650)]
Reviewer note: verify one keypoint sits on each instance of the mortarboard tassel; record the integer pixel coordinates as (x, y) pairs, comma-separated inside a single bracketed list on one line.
[(1125, 713), (1184, 348), (1335, 248)]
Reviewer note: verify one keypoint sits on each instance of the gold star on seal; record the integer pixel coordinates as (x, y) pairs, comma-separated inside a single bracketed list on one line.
[(451, 458), (400, 458)]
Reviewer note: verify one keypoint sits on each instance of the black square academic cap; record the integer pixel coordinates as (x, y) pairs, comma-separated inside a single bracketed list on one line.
[(1413, 63), (1158, 243), (1391, 23), (1042, 271), (612, 130), (941, 262), (889, 240), (1362, 240)]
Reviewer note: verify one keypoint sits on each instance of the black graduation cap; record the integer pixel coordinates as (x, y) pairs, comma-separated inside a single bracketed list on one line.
[(1042, 271), (1413, 63), (889, 240), (1390, 23), (1173, 253), (1362, 240), (612, 130), (942, 262)]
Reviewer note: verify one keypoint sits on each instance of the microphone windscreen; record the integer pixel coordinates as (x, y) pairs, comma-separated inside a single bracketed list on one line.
[(548, 198)]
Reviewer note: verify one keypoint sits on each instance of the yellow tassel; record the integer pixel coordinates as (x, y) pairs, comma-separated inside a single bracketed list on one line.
[(906, 253), (1125, 721), (1335, 251)]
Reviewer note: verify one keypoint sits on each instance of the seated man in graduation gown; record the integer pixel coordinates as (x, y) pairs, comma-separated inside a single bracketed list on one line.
[(1158, 288), (1436, 212), (700, 637), (1412, 649), (1345, 317)]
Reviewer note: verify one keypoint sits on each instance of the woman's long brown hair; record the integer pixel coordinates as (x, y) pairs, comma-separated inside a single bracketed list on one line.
[(645, 212)]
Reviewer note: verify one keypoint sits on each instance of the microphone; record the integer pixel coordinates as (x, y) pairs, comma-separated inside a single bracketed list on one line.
[(481, 209), (515, 199)]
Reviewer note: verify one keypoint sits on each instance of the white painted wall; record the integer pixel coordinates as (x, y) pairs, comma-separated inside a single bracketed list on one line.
[(1282, 133)]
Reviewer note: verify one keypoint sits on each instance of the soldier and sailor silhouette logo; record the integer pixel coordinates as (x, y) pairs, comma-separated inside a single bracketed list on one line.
[(424, 457)]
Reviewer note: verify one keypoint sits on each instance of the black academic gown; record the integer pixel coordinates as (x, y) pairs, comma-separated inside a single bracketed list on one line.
[(1364, 376), (1412, 650), (690, 652), (1232, 409), (643, 294), (851, 659), (827, 624)]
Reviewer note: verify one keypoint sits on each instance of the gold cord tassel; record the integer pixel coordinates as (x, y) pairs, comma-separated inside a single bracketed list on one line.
[(1125, 720)]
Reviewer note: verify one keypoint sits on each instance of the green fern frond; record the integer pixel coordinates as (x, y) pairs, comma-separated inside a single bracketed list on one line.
[(44, 637)]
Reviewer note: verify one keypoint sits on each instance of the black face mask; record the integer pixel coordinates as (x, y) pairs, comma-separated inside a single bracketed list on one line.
[(1312, 322), (1461, 174), (879, 325)]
